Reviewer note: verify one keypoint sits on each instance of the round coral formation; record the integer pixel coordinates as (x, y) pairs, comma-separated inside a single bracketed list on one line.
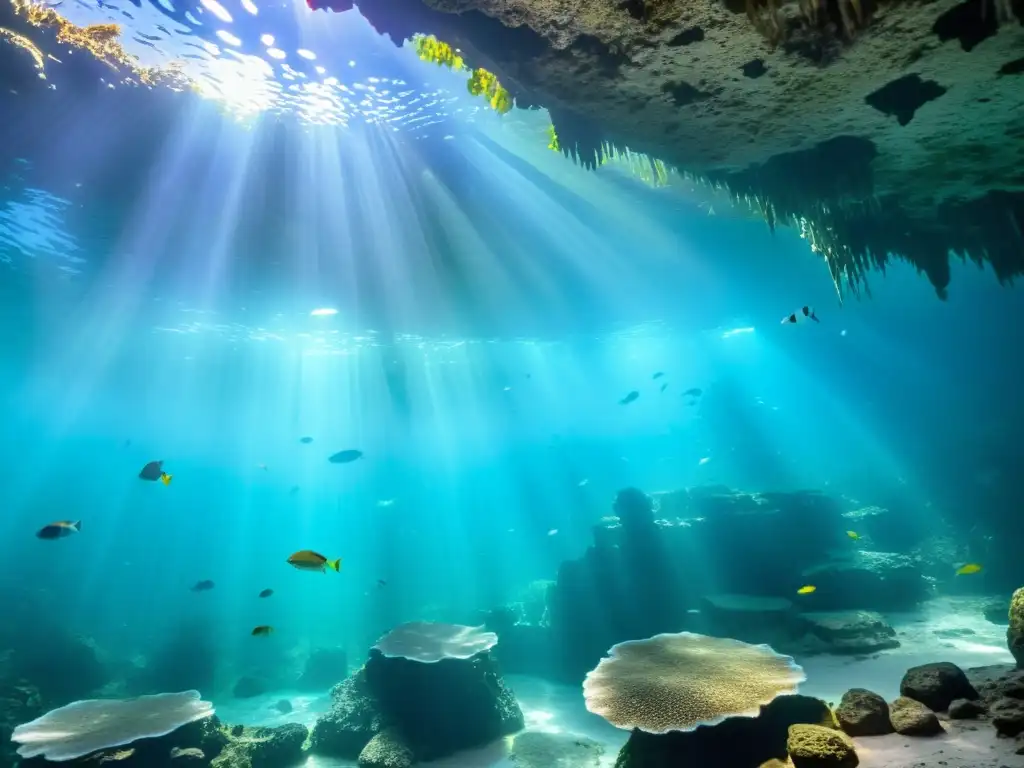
[(431, 641), (677, 682)]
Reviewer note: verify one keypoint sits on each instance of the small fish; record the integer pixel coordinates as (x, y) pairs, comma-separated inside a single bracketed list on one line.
[(266, 593), (263, 630), (664, 387), (59, 530), (629, 398), (308, 560), (553, 532), (381, 583), (202, 586), (703, 461), (262, 466), (806, 590), (155, 471), (293, 490), (127, 444), (853, 535), (383, 503), (967, 570), (658, 375), (693, 392), (802, 314), (583, 483), (306, 440), (345, 457)]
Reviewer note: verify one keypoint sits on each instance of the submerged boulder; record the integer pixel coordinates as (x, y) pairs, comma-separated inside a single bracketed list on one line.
[(854, 632), (435, 686), (936, 685), (814, 746), (863, 713), (386, 750), (751, 618), (912, 718), (278, 747), (1015, 632), (354, 718)]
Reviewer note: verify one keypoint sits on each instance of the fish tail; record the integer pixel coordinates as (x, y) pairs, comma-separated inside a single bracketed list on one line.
[(77, 525), (165, 478), (814, 317), (334, 565)]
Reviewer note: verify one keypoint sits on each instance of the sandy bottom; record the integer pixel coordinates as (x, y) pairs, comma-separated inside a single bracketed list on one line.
[(944, 630)]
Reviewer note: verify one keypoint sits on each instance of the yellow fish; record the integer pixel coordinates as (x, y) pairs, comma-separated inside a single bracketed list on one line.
[(970, 568), (307, 560), (853, 535), (262, 630), (806, 590)]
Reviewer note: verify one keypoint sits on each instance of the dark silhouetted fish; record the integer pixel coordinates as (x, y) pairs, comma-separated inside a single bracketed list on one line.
[(203, 586), (663, 386), (293, 490), (266, 593), (155, 471), (693, 392), (345, 457), (658, 375), (629, 398), (381, 583), (263, 630), (59, 530), (306, 440)]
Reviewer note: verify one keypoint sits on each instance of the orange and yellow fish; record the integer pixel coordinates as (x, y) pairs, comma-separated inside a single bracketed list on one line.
[(853, 535), (806, 590)]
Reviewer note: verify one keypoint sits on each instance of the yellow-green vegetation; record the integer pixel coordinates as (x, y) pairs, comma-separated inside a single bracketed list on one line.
[(101, 40), (429, 48), (553, 144), (480, 83)]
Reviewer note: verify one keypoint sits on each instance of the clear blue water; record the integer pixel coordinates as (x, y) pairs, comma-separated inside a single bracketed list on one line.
[(494, 304)]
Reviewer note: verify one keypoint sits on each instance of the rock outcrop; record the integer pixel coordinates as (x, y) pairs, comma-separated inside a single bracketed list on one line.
[(863, 713), (1015, 632), (427, 710), (863, 125), (937, 685)]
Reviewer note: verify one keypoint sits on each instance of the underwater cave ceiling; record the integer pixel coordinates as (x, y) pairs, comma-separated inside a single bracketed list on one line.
[(876, 129)]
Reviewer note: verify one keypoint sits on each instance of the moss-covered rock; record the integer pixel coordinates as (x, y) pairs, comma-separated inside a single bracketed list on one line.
[(912, 718), (387, 750), (812, 746), (278, 747), (1015, 632), (354, 718)]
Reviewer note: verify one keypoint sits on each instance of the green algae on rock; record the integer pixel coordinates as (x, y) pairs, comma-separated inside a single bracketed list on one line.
[(814, 746), (1015, 632)]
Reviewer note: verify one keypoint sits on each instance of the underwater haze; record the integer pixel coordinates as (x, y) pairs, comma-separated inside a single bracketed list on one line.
[(244, 283)]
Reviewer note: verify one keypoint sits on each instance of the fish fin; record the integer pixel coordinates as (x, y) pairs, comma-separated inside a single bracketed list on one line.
[(335, 565), (165, 478), (814, 317), (77, 525)]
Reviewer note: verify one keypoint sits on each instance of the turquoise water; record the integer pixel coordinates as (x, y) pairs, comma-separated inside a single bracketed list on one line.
[(418, 279)]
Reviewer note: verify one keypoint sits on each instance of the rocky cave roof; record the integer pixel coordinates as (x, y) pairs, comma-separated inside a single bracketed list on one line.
[(875, 128)]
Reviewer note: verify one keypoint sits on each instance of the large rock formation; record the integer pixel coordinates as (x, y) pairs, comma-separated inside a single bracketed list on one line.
[(427, 691), (721, 562), (872, 127)]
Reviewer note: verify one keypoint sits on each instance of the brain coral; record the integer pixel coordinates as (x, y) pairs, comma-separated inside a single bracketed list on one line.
[(431, 641), (676, 682)]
